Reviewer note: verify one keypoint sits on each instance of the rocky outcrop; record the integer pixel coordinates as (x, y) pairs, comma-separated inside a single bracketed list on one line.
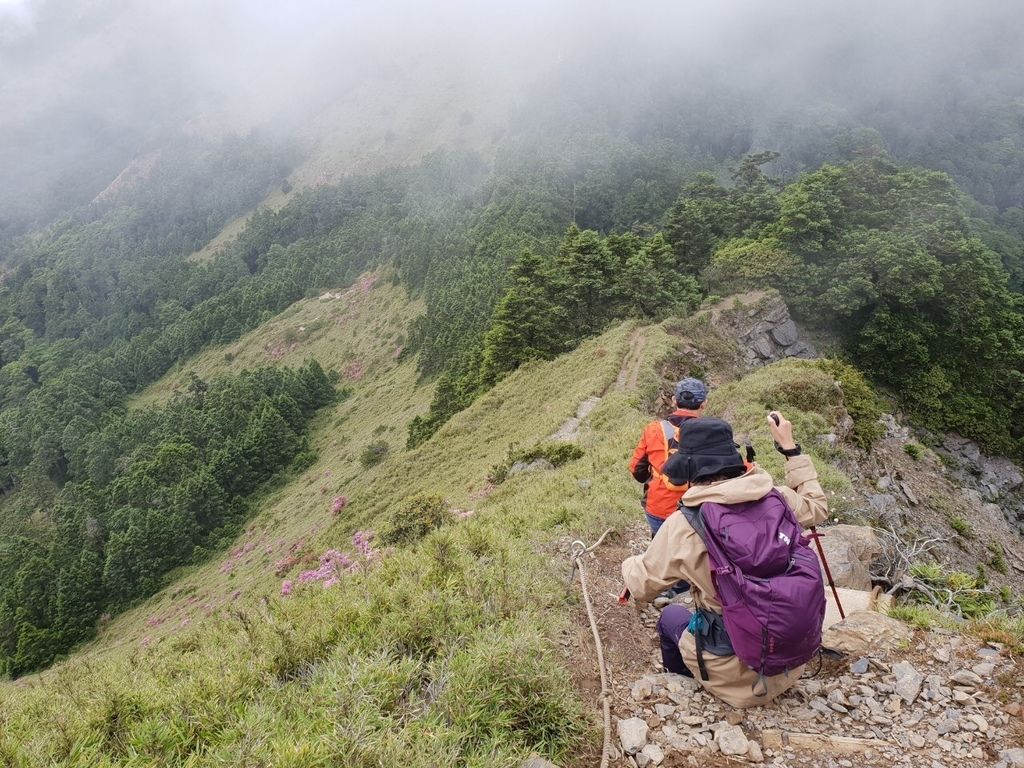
[(850, 551), (761, 325), (988, 480)]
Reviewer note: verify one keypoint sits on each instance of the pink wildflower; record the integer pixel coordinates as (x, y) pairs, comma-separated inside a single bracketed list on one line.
[(338, 504), (330, 582), (236, 594), (146, 641), (186, 621), (286, 587), (152, 621)]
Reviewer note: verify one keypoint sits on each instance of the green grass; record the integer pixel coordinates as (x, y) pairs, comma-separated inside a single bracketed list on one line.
[(961, 526), (441, 651)]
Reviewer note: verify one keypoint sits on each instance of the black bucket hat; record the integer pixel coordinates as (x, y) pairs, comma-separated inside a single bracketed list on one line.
[(706, 449)]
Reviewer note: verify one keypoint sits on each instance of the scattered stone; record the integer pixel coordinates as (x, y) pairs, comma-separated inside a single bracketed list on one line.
[(908, 681), (860, 666), (1014, 758), (653, 753), (664, 711), (965, 677), (642, 689), (984, 670), (585, 483), (988, 653), (820, 706), (632, 735), (733, 717), (980, 721), (941, 655), (909, 493), (538, 762), (731, 740), (754, 753)]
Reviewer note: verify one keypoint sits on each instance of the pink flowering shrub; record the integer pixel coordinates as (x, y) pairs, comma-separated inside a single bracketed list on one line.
[(354, 371), (333, 565), (338, 504)]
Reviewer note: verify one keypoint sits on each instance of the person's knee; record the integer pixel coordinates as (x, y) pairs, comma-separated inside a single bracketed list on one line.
[(672, 622)]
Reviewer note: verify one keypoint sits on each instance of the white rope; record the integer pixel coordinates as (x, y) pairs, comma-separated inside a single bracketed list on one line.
[(579, 549)]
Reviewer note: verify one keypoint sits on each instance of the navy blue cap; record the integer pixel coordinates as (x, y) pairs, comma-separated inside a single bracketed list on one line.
[(690, 393)]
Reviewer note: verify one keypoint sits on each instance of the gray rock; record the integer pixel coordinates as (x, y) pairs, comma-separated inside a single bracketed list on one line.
[(860, 666), (664, 711), (763, 348), (632, 735), (653, 753), (908, 681), (909, 493), (966, 678), (862, 633), (850, 551), (584, 483), (538, 762), (984, 670), (754, 753), (785, 333), (537, 465), (1014, 758), (732, 741)]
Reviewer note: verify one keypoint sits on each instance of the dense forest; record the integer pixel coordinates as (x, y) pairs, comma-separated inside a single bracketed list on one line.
[(898, 232)]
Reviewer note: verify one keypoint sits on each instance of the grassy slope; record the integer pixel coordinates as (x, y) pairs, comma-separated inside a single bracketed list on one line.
[(440, 654)]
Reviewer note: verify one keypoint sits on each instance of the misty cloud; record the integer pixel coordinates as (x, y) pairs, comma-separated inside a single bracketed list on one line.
[(86, 86)]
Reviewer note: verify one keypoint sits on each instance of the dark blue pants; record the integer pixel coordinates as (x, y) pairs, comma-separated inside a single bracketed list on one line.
[(673, 622)]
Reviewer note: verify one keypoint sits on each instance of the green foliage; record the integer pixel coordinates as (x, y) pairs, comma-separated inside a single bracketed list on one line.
[(374, 453), (179, 484), (961, 526), (558, 453), (914, 451), (998, 559), (415, 519), (963, 593), (887, 259), (552, 305), (860, 401)]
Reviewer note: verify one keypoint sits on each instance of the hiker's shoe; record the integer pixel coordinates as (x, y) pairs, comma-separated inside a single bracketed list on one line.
[(665, 598)]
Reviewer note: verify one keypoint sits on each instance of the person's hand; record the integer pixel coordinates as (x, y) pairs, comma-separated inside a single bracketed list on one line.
[(782, 430)]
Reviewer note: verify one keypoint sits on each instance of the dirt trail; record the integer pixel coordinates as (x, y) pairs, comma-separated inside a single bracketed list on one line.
[(634, 358)]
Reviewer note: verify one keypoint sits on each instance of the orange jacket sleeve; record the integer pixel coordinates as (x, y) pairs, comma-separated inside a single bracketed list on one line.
[(639, 465)]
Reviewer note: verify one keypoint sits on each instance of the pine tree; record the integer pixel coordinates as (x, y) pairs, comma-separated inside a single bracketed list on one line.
[(525, 322)]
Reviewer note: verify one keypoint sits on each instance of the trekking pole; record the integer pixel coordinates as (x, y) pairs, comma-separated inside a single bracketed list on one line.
[(817, 540), (821, 553)]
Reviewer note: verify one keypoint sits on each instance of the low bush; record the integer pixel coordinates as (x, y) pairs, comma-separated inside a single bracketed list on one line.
[(415, 519), (556, 453)]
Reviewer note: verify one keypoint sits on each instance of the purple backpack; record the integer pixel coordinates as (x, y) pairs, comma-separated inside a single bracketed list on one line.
[(768, 581)]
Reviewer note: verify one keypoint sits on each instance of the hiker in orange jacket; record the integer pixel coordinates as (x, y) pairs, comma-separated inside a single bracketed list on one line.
[(659, 501)]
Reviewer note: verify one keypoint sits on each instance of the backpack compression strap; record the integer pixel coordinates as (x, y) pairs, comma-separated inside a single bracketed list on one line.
[(707, 627)]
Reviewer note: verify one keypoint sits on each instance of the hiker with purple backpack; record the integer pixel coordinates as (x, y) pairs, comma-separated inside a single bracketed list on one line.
[(738, 539)]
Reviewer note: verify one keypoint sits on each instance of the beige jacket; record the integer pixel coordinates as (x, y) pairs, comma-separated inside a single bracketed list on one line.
[(677, 552)]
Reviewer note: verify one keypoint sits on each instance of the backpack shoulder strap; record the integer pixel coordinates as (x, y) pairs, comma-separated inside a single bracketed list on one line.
[(668, 432), (696, 521)]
